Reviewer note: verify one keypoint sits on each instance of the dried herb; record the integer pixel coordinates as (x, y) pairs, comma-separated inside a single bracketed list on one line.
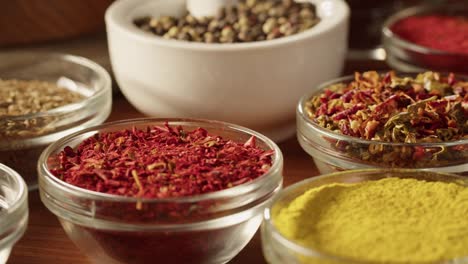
[(249, 20), (441, 32), (160, 162), (429, 108)]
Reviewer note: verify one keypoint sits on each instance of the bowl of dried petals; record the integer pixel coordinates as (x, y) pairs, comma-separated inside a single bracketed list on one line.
[(43, 97), (246, 65), (390, 120), (172, 190)]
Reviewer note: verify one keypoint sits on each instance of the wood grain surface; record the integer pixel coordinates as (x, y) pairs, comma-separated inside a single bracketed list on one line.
[(45, 242), (32, 21)]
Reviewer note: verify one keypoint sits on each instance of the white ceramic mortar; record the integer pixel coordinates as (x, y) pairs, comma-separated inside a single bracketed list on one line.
[(253, 84)]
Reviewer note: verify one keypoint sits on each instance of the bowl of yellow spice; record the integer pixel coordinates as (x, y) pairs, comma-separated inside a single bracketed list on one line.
[(43, 97), (370, 216)]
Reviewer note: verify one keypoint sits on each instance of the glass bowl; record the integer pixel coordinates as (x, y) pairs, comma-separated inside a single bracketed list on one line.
[(13, 210), (333, 152), (406, 56), (278, 249), (23, 138), (207, 228)]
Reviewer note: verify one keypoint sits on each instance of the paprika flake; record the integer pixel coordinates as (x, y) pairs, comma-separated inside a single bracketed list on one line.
[(161, 162)]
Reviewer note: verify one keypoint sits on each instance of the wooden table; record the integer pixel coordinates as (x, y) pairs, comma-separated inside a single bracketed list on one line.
[(45, 242)]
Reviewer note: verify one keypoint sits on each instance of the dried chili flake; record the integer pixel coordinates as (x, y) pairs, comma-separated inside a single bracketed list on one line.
[(387, 108), (428, 108), (161, 161)]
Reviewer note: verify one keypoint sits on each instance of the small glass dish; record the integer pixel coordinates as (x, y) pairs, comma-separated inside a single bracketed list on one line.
[(405, 56), (333, 152), (13, 210), (208, 228), (278, 249), (24, 137)]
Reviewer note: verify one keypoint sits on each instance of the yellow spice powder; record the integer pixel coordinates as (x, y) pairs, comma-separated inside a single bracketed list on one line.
[(391, 220)]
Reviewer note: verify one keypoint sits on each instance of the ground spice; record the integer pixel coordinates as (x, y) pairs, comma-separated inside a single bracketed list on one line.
[(393, 220), (377, 107), (160, 162), (440, 32), (248, 21)]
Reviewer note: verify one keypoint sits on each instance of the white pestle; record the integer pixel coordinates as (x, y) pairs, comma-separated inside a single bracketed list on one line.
[(204, 8)]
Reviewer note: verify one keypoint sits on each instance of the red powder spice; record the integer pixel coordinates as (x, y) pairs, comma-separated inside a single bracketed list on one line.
[(161, 162), (440, 32)]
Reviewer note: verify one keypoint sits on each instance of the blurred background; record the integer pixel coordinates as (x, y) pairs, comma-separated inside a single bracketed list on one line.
[(51, 22)]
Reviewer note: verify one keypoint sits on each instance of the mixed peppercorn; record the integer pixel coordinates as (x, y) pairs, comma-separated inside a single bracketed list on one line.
[(249, 20)]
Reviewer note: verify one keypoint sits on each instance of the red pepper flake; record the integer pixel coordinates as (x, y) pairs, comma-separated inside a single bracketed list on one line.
[(159, 162), (441, 32), (428, 108)]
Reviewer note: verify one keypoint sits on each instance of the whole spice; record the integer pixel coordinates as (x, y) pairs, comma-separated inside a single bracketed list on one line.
[(430, 108), (18, 99), (440, 32), (246, 22), (160, 162), (391, 220)]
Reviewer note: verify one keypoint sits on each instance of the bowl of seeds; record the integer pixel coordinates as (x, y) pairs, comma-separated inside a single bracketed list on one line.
[(44, 97), (247, 65), (171, 190), (391, 120)]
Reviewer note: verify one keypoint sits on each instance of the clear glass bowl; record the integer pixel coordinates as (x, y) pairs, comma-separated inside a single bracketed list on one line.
[(208, 228), (278, 249), (13, 210), (333, 152), (406, 56), (21, 151)]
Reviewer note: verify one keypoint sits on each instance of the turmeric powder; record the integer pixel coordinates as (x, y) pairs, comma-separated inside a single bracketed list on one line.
[(393, 220)]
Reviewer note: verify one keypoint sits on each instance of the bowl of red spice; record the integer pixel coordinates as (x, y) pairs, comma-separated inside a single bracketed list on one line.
[(375, 120), (433, 37), (43, 97), (171, 190)]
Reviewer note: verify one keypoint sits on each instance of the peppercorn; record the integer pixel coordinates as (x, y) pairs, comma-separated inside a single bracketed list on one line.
[(249, 20)]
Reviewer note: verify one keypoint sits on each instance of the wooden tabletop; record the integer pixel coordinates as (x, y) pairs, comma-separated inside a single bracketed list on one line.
[(46, 242)]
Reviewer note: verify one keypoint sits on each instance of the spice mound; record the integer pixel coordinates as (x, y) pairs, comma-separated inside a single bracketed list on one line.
[(160, 162), (248, 21), (18, 131), (393, 220), (20, 97), (440, 32), (391, 108)]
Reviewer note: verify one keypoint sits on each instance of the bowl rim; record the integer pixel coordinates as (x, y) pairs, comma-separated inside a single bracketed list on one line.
[(310, 252), (116, 16), (82, 61), (277, 163), (301, 113), (21, 192), (387, 32), (16, 207)]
